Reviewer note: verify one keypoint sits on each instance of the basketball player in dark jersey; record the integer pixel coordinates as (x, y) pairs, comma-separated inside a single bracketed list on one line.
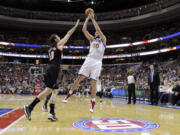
[(45, 105), (52, 73)]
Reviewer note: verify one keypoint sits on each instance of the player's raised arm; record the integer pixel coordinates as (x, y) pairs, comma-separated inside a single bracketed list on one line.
[(84, 30), (102, 36), (67, 36)]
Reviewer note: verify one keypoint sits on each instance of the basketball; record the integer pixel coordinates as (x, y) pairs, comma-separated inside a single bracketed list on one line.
[(88, 10)]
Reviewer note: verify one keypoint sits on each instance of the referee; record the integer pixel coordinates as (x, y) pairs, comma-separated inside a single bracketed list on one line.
[(131, 87)]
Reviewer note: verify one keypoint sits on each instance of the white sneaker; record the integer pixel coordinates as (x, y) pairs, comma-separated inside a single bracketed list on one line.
[(44, 108), (91, 110), (64, 101), (52, 117)]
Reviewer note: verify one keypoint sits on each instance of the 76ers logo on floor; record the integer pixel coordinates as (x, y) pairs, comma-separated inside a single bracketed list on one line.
[(115, 125)]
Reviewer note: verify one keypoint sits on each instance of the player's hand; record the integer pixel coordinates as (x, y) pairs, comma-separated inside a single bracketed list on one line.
[(88, 17), (91, 15), (176, 93), (77, 23)]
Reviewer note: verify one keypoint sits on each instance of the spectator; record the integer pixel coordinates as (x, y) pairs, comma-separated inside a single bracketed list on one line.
[(176, 95), (154, 83)]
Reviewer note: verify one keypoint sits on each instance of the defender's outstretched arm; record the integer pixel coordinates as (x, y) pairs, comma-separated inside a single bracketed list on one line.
[(63, 41)]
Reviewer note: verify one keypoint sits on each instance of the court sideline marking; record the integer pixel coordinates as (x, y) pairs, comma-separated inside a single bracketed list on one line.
[(4, 130), (12, 123)]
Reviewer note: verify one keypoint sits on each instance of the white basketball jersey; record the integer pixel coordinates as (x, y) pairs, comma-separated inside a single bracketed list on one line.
[(97, 48)]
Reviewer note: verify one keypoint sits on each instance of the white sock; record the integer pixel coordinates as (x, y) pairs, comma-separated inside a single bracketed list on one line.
[(70, 92)]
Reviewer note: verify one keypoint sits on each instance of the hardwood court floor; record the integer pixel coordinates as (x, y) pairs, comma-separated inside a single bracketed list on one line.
[(78, 109)]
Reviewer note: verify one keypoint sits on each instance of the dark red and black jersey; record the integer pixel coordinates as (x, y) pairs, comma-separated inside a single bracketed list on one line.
[(54, 55)]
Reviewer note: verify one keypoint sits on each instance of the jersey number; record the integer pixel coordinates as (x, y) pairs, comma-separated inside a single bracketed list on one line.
[(51, 54), (95, 45)]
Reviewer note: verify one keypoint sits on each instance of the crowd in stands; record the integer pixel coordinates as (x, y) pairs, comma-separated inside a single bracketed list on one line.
[(16, 78), (79, 39), (158, 5)]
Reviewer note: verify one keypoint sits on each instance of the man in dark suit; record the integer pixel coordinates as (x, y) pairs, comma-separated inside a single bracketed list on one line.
[(176, 95), (154, 83)]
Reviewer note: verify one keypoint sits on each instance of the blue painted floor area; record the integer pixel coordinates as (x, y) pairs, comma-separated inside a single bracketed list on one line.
[(148, 103), (4, 110)]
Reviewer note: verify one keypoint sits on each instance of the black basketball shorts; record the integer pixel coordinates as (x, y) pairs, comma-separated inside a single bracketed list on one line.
[(51, 76)]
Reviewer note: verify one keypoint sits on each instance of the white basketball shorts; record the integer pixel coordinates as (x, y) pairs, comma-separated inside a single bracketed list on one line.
[(91, 68)]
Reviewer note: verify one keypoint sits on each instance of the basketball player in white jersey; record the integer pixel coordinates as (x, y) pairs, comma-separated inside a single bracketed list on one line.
[(93, 63)]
